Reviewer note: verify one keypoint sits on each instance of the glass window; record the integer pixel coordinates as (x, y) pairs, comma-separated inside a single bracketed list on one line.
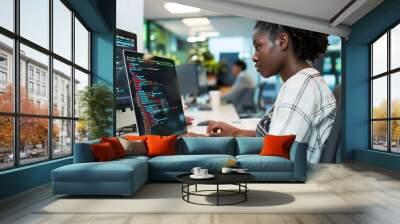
[(81, 131), (40, 62), (395, 47), (33, 139), (62, 29), (395, 95), (62, 72), (379, 56), (6, 142), (379, 135), (395, 136), (30, 87), (81, 81), (35, 21), (62, 138), (6, 71), (81, 45), (7, 14), (379, 98)]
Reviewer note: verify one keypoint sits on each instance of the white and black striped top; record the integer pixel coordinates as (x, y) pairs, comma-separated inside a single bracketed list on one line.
[(305, 107)]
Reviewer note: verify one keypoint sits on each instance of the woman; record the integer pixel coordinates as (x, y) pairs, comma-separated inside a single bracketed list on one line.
[(305, 106)]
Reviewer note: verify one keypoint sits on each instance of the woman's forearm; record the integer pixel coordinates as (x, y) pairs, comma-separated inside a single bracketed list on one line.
[(245, 133)]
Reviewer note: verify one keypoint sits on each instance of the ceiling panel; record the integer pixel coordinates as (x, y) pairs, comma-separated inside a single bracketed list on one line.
[(321, 9)]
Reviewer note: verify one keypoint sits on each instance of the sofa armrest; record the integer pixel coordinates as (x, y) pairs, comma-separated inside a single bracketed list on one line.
[(298, 155), (83, 152)]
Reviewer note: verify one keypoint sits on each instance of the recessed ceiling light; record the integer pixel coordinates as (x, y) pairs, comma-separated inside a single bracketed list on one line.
[(193, 39), (202, 21), (176, 8), (209, 34)]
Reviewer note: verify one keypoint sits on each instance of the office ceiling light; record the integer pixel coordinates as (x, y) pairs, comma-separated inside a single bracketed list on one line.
[(193, 39), (176, 8), (201, 21), (209, 34)]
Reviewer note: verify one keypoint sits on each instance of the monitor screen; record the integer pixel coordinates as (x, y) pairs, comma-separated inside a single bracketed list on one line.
[(123, 41), (155, 95), (188, 79)]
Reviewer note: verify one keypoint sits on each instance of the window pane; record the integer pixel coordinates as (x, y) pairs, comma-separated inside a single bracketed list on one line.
[(33, 140), (81, 81), (379, 56), (81, 45), (379, 97), (6, 142), (34, 72), (35, 21), (6, 74), (62, 89), (395, 94), (62, 29), (81, 131), (395, 47), (395, 136), (7, 14), (379, 135), (62, 138)]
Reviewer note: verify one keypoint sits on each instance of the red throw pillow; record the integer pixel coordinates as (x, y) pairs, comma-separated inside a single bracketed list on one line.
[(277, 145), (103, 152), (135, 137), (161, 145), (116, 145)]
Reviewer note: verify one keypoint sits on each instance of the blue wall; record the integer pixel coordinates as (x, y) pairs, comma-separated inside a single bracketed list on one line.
[(99, 16), (356, 95)]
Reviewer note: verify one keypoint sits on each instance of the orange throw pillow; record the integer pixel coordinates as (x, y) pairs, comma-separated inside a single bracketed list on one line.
[(277, 145), (103, 152), (116, 145), (135, 138), (161, 145)]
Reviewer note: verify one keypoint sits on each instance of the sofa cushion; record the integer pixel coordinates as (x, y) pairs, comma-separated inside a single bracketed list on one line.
[(116, 145), (103, 152), (257, 163), (199, 146), (277, 145), (249, 145), (112, 171), (185, 163), (161, 145)]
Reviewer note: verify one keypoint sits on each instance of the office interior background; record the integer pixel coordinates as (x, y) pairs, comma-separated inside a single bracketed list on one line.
[(47, 58)]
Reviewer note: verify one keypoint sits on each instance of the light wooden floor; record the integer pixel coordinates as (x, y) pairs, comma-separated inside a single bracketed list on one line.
[(378, 188)]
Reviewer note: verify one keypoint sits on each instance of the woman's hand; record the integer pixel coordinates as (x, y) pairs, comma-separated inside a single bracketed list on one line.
[(220, 129)]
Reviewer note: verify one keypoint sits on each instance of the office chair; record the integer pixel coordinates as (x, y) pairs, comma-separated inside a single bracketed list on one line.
[(332, 151)]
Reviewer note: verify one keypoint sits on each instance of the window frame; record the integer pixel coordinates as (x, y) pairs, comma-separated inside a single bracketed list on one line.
[(388, 74), (15, 68)]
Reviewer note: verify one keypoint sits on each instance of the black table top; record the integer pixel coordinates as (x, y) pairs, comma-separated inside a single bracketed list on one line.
[(220, 178)]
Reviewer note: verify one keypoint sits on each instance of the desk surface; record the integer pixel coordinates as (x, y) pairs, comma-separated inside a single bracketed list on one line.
[(226, 113)]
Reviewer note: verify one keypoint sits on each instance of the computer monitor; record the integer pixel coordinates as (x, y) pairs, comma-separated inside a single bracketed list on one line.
[(155, 94), (123, 41), (188, 79)]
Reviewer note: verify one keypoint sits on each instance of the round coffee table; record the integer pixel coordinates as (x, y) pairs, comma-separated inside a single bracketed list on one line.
[(238, 179)]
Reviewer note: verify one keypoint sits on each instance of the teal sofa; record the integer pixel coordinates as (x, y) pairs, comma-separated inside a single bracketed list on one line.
[(125, 176)]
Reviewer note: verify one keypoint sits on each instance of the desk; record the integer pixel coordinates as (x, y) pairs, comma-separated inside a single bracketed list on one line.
[(226, 113)]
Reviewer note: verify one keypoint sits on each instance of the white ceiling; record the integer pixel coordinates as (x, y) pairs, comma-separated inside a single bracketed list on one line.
[(154, 9), (230, 26), (307, 14)]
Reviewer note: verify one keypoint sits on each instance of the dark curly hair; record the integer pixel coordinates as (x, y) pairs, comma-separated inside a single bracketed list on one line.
[(307, 45)]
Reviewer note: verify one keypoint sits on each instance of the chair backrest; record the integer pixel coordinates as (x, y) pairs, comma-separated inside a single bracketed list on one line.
[(332, 151), (245, 101)]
